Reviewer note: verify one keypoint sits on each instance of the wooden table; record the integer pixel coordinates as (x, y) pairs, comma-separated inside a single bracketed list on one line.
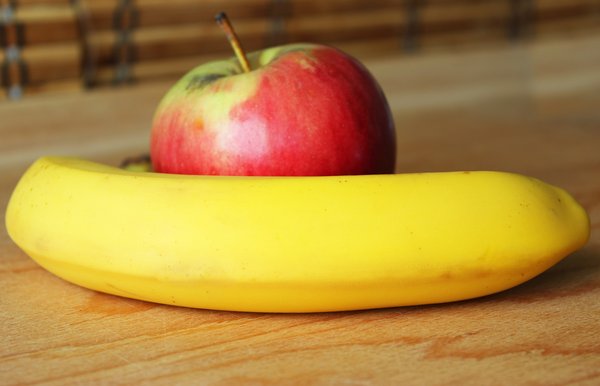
[(528, 109)]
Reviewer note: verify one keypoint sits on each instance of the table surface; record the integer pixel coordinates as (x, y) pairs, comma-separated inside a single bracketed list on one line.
[(531, 109)]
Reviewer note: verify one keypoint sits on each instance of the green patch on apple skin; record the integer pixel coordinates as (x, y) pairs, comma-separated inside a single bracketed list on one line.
[(202, 80), (204, 96), (219, 102), (262, 58), (204, 75), (197, 80), (209, 73)]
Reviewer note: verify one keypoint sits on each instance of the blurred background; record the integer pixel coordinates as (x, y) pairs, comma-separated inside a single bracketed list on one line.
[(50, 46)]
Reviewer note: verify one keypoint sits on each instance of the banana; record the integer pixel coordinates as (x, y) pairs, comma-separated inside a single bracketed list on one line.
[(291, 244)]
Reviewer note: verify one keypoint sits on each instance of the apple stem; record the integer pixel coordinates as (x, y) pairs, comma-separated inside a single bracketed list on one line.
[(223, 22)]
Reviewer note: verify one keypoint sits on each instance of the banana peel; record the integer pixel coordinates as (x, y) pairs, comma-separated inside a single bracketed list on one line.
[(291, 244)]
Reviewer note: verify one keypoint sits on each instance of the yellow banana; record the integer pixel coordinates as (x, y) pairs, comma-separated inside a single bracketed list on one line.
[(291, 244)]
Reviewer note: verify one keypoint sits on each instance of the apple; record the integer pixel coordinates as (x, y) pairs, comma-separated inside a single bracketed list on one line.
[(300, 110)]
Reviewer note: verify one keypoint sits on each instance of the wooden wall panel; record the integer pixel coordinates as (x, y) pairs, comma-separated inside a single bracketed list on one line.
[(161, 39)]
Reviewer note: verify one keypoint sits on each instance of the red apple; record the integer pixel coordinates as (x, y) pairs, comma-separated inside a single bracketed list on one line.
[(302, 110)]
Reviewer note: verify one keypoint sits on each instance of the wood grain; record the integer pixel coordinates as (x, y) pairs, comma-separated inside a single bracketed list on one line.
[(165, 33), (526, 108)]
